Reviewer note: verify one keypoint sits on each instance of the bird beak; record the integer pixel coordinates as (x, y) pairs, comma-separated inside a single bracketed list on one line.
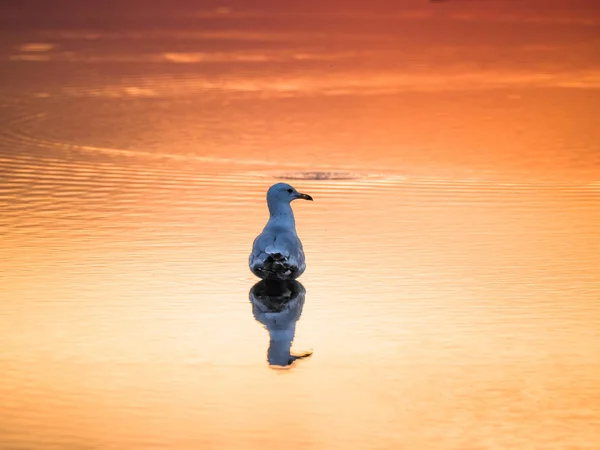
[(305, 197)]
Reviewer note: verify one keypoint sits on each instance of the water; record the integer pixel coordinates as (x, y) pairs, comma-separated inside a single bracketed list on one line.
[(452, 285)]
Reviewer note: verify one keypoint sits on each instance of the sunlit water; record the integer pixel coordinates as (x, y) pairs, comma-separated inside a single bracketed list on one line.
[(451, 299)]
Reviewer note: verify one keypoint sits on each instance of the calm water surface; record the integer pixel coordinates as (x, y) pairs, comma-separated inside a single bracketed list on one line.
[(451, 299)]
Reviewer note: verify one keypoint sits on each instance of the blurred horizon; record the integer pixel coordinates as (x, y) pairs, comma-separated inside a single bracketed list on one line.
[(559, 9)]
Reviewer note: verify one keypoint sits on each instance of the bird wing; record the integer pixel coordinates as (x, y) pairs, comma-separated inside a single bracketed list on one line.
[(285, 245)]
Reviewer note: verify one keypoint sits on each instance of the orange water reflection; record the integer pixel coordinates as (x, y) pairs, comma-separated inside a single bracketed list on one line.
[(451, 290)]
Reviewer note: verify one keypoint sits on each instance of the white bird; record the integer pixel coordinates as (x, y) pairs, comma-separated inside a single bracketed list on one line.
[(277, 252)]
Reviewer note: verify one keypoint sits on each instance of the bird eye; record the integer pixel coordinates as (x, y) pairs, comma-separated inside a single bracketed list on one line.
[(290, 191)]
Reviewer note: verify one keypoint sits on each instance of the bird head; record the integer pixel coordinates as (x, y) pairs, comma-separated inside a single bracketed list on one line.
[(283, 192)]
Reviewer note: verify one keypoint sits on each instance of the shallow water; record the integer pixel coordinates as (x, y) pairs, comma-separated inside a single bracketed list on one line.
[(453, 247)]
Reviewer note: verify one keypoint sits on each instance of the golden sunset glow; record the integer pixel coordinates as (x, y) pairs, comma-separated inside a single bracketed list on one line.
[(452, 150)]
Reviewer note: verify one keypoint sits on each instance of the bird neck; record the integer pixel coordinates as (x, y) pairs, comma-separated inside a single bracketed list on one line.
[(281, 213)]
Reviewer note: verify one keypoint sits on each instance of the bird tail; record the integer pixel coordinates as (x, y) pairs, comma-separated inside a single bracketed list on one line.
[(276, 257), (277, 266)]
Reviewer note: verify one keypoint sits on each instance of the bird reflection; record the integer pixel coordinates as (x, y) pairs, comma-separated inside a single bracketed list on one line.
[(278, 306)]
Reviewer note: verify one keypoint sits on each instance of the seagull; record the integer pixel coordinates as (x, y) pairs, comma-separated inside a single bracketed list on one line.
[(277, 252)]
